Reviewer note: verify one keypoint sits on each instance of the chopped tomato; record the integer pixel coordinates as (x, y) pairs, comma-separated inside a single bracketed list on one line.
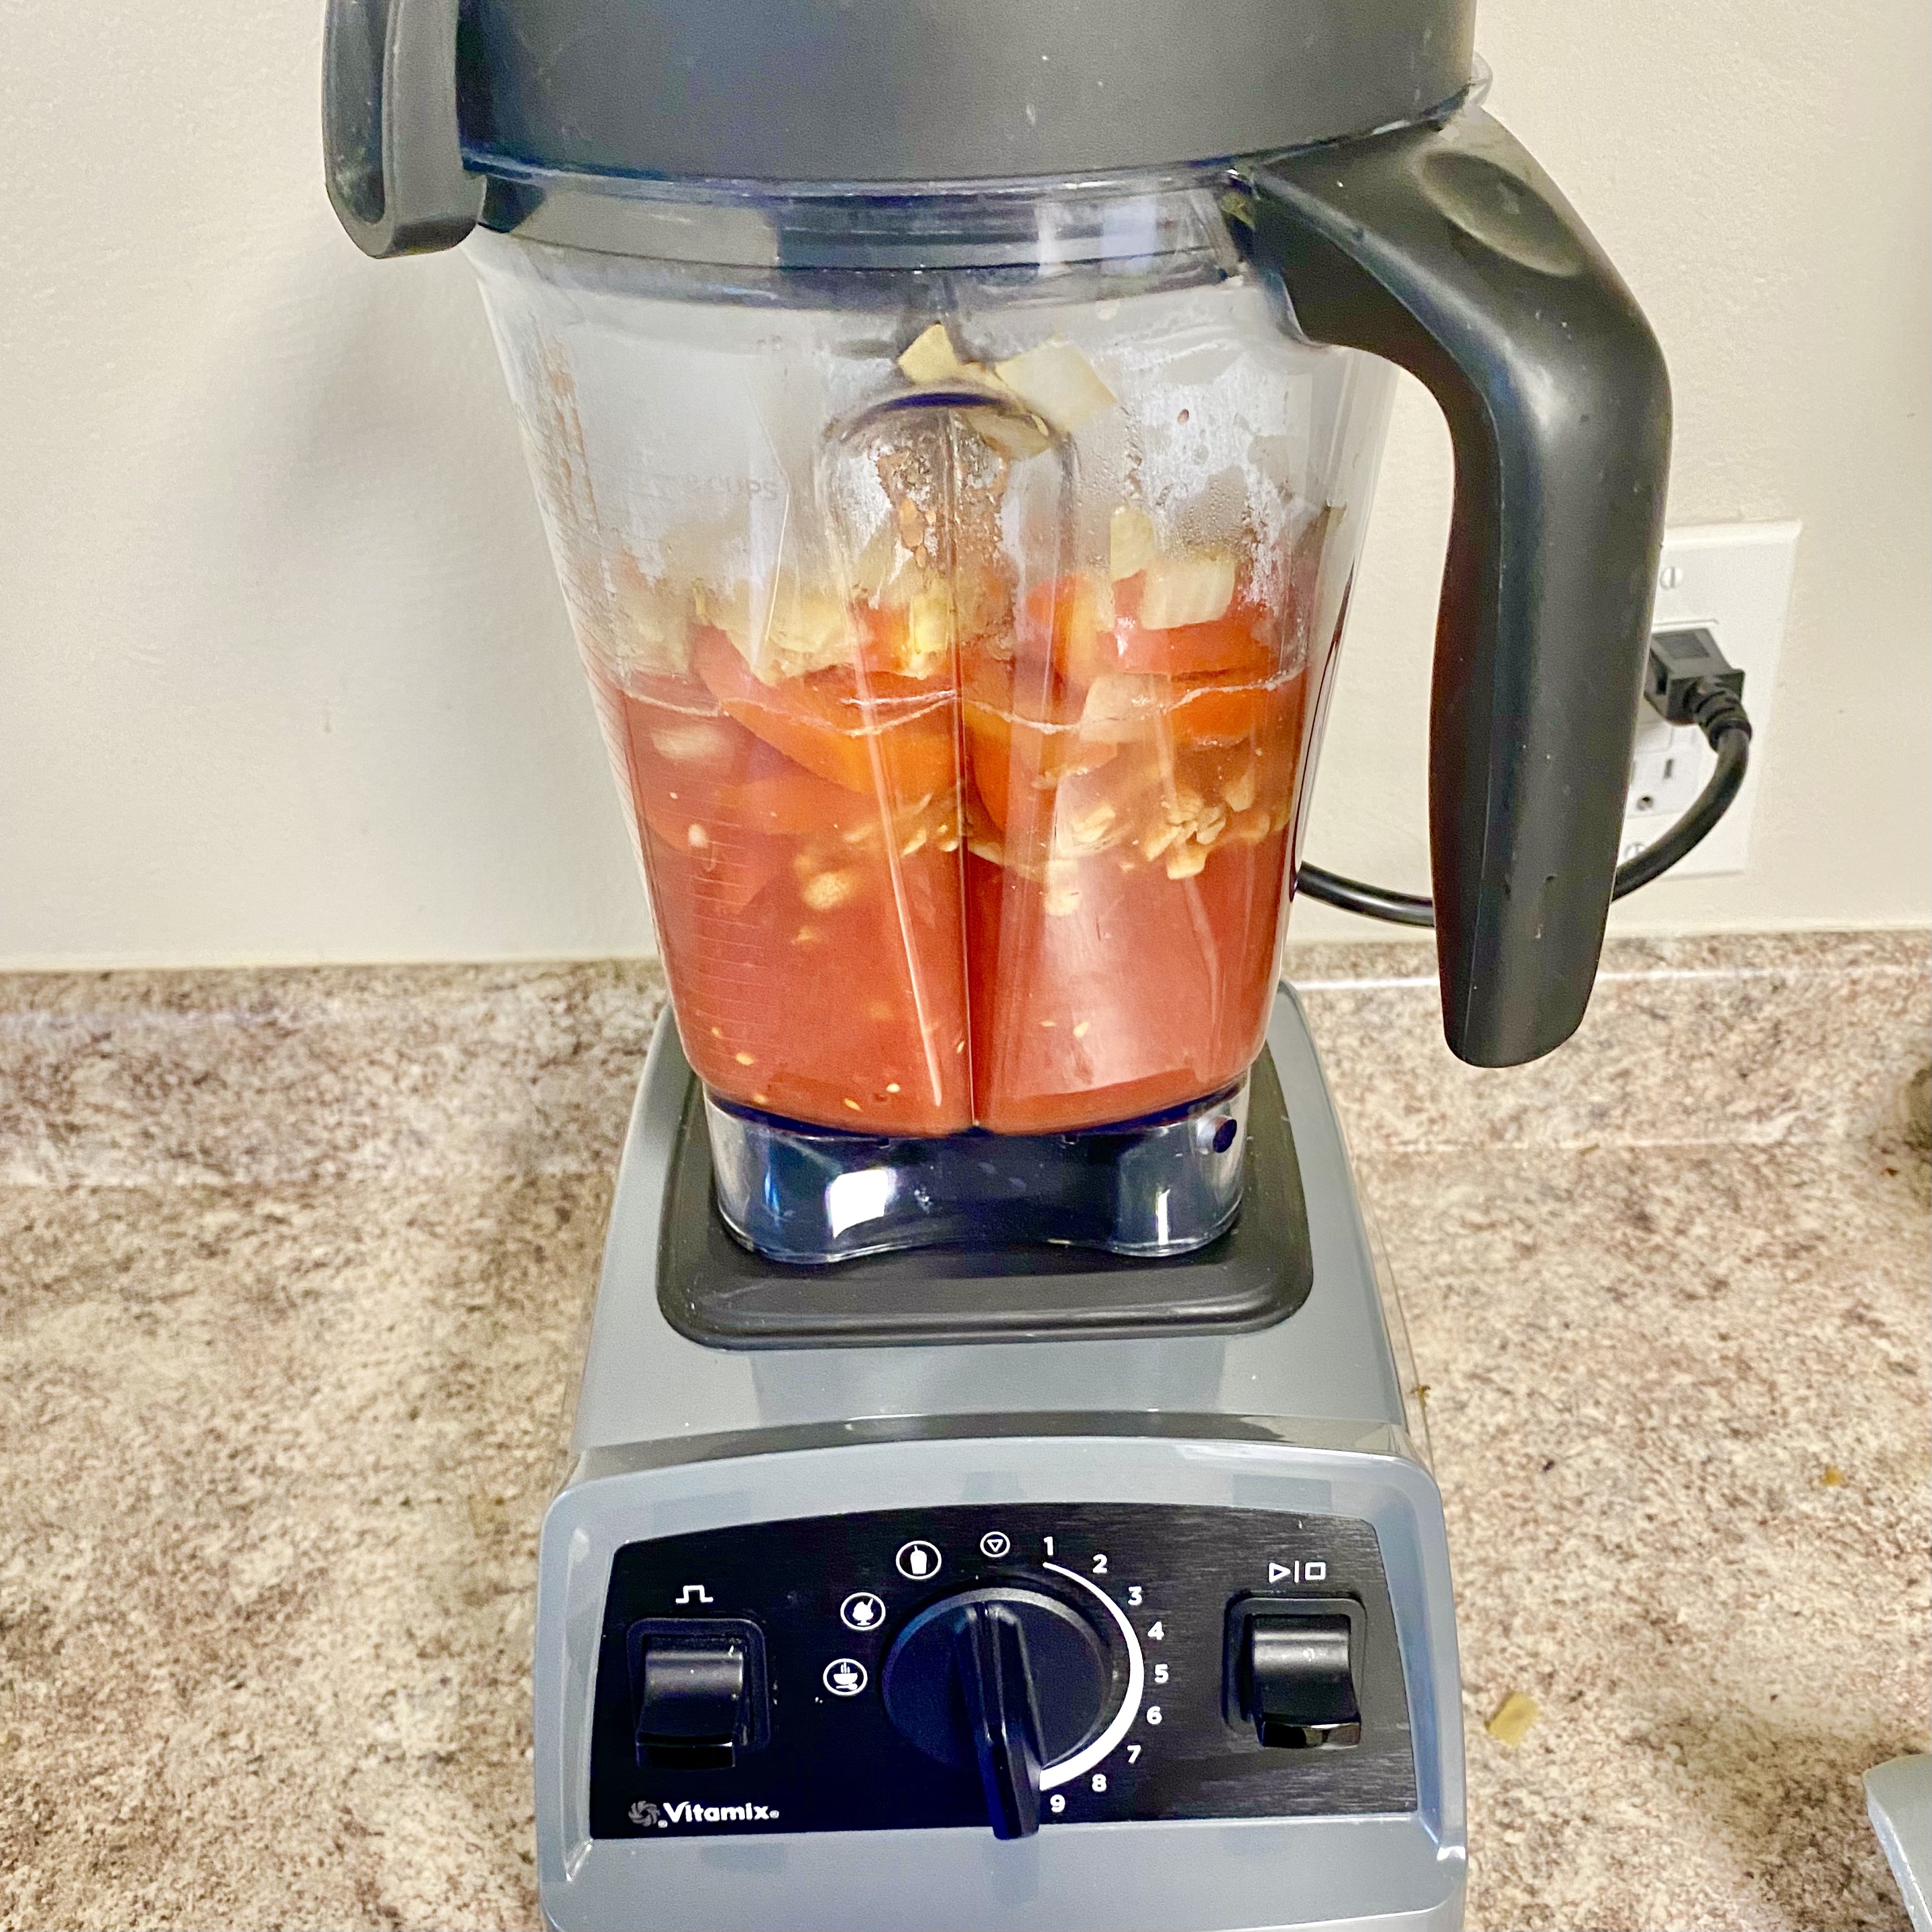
[(1211, 711), (825, 934), (1087, 633), (1022, 732), (1068, 622), (1120, 990), (789, 802), (1231, 646), (726, 873), (855, 732)]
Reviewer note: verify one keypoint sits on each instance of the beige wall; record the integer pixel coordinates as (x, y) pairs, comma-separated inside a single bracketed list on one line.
[(282, 672)]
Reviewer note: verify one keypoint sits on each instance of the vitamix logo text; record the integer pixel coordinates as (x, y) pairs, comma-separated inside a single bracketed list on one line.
[(648, 1812)]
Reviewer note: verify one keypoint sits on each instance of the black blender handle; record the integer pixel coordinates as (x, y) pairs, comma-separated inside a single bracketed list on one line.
[(1446, 249), (392, 150)]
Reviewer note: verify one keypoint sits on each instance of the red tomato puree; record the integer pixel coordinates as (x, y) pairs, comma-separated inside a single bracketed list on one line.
[(1041, 889)]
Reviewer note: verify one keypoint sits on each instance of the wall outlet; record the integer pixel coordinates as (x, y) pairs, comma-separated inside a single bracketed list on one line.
[(1734, 580)]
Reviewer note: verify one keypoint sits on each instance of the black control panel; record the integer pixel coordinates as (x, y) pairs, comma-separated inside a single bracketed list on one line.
[(1012, 1666)]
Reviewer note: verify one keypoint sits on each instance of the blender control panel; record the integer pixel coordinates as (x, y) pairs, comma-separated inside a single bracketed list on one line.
[(1014, 1666)]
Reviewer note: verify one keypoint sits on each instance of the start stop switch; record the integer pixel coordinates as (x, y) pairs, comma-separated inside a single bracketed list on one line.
[(1289, 1671)]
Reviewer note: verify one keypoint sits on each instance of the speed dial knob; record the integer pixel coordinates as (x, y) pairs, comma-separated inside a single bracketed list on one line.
[(1014, 1681)]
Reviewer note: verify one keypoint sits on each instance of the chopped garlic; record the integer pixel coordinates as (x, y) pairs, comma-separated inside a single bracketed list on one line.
[(1130, 542), (1082, 1028), (1238, 792), (697, 838), (743, 1059), (1511, 1720), (1186, 590), (1056, 381), (1083, 831), (1184, 861), (692, 741), (826, 891)]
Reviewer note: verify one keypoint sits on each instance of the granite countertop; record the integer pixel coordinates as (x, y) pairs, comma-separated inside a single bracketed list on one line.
[(293, 1272)]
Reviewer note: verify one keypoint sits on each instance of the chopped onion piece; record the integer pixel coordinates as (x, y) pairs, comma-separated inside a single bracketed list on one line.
[(1186, 590), (1057, 381), (930, 357), (1131, 543)]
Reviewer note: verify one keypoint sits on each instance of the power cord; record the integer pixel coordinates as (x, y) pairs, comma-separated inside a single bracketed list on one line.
[(1686, 681)]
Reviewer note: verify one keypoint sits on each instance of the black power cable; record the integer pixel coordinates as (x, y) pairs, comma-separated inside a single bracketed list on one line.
[(1687, 682)]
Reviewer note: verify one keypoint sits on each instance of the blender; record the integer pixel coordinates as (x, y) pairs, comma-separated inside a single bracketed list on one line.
[(996, 1500)]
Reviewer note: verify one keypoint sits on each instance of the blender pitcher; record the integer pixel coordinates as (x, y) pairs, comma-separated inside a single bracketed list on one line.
[(955, 465)]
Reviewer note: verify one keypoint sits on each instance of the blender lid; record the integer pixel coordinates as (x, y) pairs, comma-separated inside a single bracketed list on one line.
[(424, 99), (893, 91)]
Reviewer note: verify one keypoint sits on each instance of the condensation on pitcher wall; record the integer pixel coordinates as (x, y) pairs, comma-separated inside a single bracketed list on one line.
[(284, 674)]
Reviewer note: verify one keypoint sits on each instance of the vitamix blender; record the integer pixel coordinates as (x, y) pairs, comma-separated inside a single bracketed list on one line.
[(995, 1503)]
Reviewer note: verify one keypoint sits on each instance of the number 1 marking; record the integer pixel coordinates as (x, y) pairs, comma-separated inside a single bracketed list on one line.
[(1048, 1541)]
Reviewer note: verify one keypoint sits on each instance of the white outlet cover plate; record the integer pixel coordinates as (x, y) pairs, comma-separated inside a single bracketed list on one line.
[(1734, 580)]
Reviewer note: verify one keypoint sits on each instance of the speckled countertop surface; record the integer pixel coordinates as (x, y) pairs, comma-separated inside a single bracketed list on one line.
[(293, 1268)]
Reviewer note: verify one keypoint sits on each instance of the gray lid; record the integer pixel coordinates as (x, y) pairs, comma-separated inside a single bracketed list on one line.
[(424, 98), (887, 90)]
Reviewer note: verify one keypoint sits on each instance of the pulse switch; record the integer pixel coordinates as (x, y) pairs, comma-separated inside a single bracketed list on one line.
[(698, 1691)]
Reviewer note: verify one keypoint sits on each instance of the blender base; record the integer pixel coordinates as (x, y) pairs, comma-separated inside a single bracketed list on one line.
[(715, 1290), (798, 1507)]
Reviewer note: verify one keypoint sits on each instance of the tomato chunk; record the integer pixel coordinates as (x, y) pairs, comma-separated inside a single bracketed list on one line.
[(1085, 631), (1022, 734), (897, 730)]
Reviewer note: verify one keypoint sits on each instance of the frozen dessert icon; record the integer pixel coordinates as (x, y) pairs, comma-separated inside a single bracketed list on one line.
[(844, 1677), (862, 1611), (918, 1560)]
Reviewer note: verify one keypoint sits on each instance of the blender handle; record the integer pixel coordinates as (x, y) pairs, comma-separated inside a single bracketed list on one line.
[(391, 141), (1446, 249)]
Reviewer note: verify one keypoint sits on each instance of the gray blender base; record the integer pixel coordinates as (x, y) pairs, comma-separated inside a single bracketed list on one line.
[(1898, 1794), (1284, 1450)]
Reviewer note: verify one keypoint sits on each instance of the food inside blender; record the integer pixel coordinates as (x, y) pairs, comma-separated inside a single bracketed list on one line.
[(962, 836)]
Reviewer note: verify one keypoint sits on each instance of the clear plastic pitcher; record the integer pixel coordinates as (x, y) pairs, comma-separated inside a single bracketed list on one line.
[(957, 633)]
